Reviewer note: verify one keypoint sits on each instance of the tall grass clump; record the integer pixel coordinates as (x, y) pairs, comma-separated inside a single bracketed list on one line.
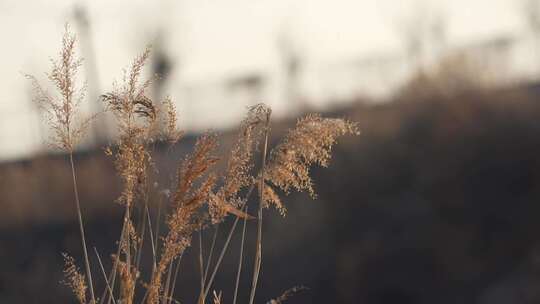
[(62, 115), (202, 196)]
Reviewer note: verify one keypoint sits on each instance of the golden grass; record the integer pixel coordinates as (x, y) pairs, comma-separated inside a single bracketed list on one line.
[(202, 196)]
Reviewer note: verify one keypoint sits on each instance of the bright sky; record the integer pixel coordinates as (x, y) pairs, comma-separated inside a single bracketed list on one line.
[(213, 39)]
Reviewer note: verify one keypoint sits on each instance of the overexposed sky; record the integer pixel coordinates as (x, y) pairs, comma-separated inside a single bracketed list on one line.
[(211, 39)]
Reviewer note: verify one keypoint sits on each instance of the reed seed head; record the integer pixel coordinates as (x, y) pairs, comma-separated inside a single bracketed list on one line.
[(239, 165), (61, 109), (136, 115), (310, 142), (74, 279), (171, 134)]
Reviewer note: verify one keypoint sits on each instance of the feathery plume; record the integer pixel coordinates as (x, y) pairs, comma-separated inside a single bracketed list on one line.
[(172, 134), (272, 198), (136, 115), (310, 142), (62, 110), (127, 283), (187, 202), (74, 279), (195, 204), (239, 165)]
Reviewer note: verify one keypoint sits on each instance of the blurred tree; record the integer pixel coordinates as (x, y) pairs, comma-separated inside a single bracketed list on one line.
[(292, 64), (82, 20), (252, 84), (161, 67), (531, 13), (424, 33)]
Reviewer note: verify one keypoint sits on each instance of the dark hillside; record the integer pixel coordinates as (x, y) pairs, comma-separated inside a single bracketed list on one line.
[(436, 202)]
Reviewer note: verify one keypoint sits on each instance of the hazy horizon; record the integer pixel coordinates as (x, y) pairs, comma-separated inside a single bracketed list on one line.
[(209, 41)]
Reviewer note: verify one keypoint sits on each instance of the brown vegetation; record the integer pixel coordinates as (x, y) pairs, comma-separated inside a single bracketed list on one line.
[(203, 197)]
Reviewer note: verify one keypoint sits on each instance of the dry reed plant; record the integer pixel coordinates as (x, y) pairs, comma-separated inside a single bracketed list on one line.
[(62, 114), (307, 144), (202, 196)]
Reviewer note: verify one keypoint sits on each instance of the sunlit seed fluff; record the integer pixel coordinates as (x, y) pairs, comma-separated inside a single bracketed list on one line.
[(171, 132), (74, 279), (127, 283), (272, 199), (310, 142), (239, 165), (136, 116), (187, 202), (196, 201), (61, 110)]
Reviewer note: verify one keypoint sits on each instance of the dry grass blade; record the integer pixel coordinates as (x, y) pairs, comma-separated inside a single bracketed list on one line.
[(201, 266), (216, 230), (226, 245), (152, 242), (217, 297), (107, 285), (287, 294), (81, 228), (167, 283), (171, 293), (158, 222), (116, 261), (240, 259), (142, 233), (258, 253)]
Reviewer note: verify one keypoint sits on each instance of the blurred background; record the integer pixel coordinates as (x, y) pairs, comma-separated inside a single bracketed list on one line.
[(437, 201)]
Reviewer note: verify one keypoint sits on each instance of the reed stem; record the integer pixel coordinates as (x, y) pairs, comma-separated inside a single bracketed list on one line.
[(81, 229), (258, 254)]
